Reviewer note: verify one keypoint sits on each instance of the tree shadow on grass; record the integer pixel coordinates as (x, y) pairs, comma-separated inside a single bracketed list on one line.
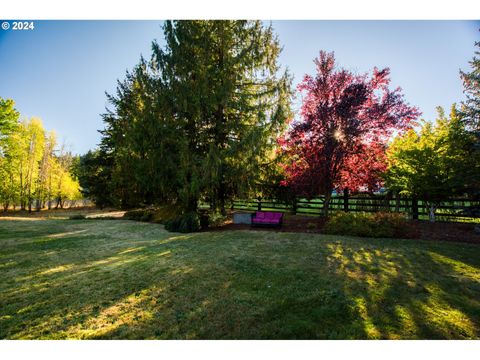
[(46, 298), (358, 293), (411, 294), (240, 285)]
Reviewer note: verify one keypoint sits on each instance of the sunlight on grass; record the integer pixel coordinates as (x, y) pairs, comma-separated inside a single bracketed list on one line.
[(65, 234), (368, 325), (129, 311), (447, 319), (8, 263), (173, 239), (461, 269), (179, 271), (122, 279), (130, 250), (164, 253), (56, 270), (408, 325)]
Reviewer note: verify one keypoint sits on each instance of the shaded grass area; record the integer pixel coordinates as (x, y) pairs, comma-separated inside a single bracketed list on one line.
[(93, 279)]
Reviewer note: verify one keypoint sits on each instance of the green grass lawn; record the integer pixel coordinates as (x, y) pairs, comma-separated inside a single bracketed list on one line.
[(94, 279)]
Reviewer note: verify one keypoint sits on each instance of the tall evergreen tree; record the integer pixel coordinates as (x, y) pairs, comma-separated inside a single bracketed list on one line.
[(470, 113), (93, 171), (198, 119), (471, 82)]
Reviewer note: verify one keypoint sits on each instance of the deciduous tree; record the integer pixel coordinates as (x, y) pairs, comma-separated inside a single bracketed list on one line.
[(346, 122), (30, 171), (433, 163)]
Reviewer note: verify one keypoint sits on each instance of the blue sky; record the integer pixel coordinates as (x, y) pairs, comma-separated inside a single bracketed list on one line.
[(60, 70)]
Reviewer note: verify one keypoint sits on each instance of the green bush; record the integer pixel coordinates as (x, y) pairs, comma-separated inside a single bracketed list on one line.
[(379, 224), (216, 219), (140, 214), (77, 217), (311, 226), (165, 213), (134, 214), (188, 222), (147, 216), (211, 219)]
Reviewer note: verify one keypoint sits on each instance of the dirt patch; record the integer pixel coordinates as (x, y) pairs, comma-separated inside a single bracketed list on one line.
[(416, 229), (458, 232)]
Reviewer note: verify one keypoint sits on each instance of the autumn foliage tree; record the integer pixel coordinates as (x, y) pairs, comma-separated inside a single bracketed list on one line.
[(346, 122), (32, 173)]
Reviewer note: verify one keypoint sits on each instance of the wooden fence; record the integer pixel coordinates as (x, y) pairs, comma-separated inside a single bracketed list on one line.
[(455, 209)]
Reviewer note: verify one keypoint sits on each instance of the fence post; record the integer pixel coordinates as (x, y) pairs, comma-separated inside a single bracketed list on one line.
[(414, 208), (345, 199), (397, 201), (259, 203)]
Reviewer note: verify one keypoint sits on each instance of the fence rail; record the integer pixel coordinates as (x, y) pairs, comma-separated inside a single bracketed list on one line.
[(455, 209)]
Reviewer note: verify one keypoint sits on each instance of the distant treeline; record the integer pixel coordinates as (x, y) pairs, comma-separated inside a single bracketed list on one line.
[(34, 172)]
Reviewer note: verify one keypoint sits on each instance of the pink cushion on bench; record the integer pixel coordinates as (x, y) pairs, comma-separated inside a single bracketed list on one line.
[(259, 215), (269, 215)]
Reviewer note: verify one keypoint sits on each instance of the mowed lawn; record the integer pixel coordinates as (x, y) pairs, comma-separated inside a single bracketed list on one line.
[(118, 279)]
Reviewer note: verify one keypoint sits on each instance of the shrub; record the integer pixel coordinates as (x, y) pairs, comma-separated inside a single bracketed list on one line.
[(188, 222), (216, 219), (140, 214), (311, 226), (134, 214), (164, 213), (211, 219), (77, 217), (379, 224), (147, 216)]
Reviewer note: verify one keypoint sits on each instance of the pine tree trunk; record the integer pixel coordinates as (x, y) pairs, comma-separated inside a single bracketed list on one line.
[(222, 198), (192, 205)]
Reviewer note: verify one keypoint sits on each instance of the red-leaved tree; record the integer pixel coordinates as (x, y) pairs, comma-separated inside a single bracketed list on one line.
[(346, 122)]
